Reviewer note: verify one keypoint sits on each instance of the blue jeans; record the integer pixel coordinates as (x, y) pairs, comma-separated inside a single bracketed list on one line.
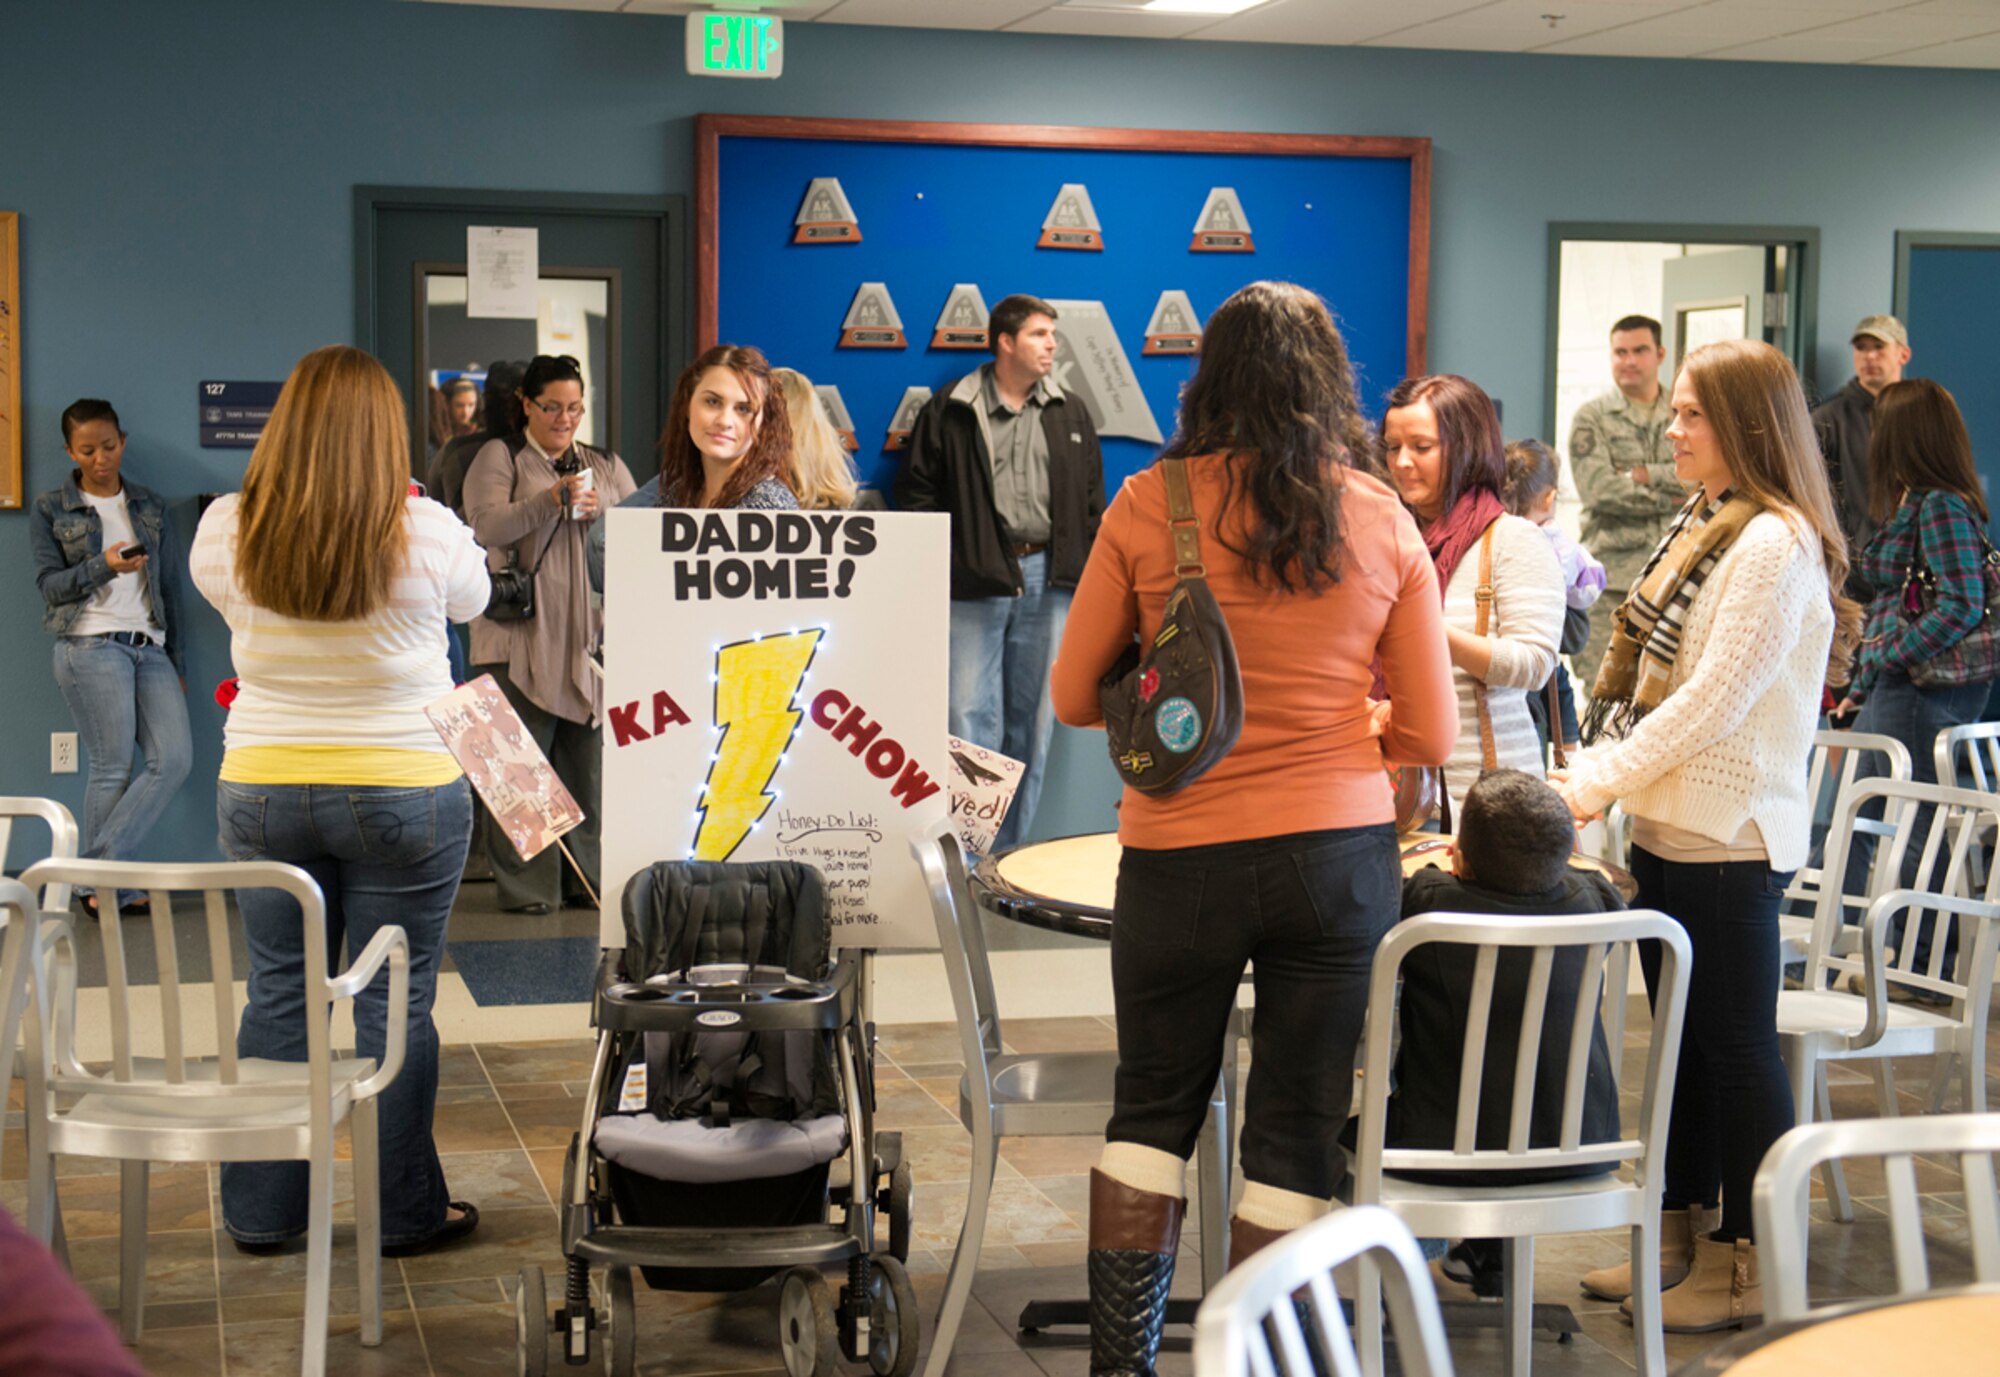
[(127, 702), (1732, 1096), (1914, 716), (1001, 651), (381, 856)]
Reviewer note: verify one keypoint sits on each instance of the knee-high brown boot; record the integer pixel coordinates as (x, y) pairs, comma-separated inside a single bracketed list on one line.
[(1133, 1238), (1246, 1238)]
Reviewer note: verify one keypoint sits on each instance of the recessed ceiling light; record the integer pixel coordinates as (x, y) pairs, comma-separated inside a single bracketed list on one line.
[(1199, 6)]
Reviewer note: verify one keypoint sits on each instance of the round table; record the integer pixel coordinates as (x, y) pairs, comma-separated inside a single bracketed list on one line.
[(1068, 885), (1945, 1334)]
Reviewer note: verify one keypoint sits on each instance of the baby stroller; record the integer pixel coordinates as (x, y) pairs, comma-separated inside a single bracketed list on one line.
[(732, 1080)]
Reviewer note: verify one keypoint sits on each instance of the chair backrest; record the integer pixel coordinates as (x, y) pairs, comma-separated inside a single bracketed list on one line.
[(1249, 1326), (1595, 934), (1780, 1199), (1945, 848), (1831, 770), (1976, 746), (20, 946), (962, 942), (137, 1032), (62, 839)]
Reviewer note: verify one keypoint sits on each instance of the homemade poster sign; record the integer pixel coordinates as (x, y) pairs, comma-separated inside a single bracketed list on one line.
[(872, 322), (1072, 221), (837, 413), (1174, 328), (508, 771), (982, 789), (1222, 227), (775, 689), (962, 322), (1091, 362), (905, 419), (824, 216)]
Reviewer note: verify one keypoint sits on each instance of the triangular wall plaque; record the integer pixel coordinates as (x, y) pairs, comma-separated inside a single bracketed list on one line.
[(1072, 221), (836, 412), (1222, 227), (905, 419), (824, 216), (872, 322), (962, 322), (1174, 328)]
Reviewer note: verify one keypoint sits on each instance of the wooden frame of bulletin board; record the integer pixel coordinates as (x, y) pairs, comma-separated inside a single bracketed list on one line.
[(938, 204), (11, 494)]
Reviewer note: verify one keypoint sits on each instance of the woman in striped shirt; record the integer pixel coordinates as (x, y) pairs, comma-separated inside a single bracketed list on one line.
[(336, 585)]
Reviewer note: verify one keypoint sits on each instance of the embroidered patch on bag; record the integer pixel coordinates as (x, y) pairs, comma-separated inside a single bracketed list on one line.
[(1178, 724), (632, 1097), (1149, 684)]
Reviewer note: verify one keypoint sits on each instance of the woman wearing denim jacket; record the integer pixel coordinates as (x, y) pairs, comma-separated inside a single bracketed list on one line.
[(106, 572)]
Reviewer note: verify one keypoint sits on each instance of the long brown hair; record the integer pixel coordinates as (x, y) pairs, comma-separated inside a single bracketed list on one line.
[(320, 528), (1918, 444), (1758, 409), (1274, 385), (682, 479), (1468, 431)]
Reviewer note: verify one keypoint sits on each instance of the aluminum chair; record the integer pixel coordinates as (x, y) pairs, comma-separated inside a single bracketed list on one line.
[(1233, 1333), (1817, 1025), (20, 955), (1781, 1205), (1836, 757), (1041, 1094), (1517, 1213), (175, 1107), (1976, 746), (43, 1220)]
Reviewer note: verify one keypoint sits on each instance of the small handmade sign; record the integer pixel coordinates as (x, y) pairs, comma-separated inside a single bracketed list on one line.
[(507, 769), (982, 789)]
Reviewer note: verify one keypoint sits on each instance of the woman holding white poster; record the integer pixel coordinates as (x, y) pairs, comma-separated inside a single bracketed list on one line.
[(1284, 853)]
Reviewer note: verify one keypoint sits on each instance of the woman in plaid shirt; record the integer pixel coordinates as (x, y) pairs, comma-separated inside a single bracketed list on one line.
[(1926, 496)]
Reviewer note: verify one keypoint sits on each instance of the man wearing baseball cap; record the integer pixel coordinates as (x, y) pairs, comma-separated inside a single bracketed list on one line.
[(1844, 421)]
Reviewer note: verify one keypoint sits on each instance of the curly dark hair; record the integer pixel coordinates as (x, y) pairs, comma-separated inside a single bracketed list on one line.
[(682, 479), (1275, 386)]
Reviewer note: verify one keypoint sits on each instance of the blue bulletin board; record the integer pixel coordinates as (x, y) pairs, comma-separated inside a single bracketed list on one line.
[(938, 204)]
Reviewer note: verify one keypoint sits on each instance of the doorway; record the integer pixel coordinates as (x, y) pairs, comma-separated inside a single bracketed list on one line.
[(612, 292), (1702, 283), (1948, 296)]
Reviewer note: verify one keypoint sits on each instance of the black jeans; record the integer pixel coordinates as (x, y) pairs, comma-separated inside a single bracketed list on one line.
[(1309, 909), (1732, 1098)]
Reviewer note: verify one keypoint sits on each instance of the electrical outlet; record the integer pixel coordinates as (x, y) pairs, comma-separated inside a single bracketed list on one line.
[(62, 753)]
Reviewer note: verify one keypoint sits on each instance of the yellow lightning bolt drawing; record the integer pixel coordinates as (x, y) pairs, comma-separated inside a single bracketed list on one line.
[(755, 684)]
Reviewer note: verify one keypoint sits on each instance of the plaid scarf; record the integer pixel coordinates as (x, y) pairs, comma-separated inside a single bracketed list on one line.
[(1646, 628)]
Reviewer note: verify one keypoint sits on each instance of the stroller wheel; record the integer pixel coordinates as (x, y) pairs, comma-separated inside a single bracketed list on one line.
[(893, 1334), (621, 1342), (531, 1325), (807, 1331), (902, 1194)]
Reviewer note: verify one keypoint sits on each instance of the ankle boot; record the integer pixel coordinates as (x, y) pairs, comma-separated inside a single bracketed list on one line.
[(1722, 1291), (1246, 1238), (1678, 1229), (1133, 1237)]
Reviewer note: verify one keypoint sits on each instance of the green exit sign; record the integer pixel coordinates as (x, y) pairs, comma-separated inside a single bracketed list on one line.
[(735, 45)]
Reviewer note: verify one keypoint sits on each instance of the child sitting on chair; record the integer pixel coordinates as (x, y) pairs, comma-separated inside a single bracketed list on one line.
[(1511, 856)]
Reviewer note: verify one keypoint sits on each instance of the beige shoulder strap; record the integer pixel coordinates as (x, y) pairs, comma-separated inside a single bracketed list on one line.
[(1182, 522), (1482, 597)]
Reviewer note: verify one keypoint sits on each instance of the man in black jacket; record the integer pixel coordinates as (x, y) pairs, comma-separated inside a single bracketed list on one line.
[(1846, 420), (1015, 461)]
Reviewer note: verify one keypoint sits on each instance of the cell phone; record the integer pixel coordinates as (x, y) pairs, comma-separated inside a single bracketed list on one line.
[(132, 551)]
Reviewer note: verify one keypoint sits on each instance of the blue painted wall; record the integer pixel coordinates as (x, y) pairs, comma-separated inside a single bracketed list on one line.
[(185, 175)]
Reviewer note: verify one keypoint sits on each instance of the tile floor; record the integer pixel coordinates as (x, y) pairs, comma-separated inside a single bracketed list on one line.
[(506, 1112)]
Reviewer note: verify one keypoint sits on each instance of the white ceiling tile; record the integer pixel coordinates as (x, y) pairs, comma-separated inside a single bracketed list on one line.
[(1907, 28), (1329, 21), (934, 14), (1517, 25), (1807, 48), (1683, 32), (1971, 52), (1989, 8), (797, 11), (1112, 24)]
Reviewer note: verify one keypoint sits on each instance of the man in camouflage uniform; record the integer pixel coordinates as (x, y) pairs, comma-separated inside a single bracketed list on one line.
[(1624, 468)]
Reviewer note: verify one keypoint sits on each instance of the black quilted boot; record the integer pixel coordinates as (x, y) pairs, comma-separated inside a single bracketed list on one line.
[(1133, 1236)]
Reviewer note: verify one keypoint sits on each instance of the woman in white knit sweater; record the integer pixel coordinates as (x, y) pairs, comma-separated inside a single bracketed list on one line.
[(1441, 441), (1701, 726)]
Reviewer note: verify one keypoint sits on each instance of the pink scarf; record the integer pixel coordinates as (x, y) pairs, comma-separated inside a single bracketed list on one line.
[(1454, 533)]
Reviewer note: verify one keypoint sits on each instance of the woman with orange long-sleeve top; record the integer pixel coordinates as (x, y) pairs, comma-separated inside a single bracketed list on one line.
[(1284, 853)]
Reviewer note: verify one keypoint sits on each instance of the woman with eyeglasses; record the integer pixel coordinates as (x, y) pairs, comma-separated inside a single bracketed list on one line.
[(531, 499)]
